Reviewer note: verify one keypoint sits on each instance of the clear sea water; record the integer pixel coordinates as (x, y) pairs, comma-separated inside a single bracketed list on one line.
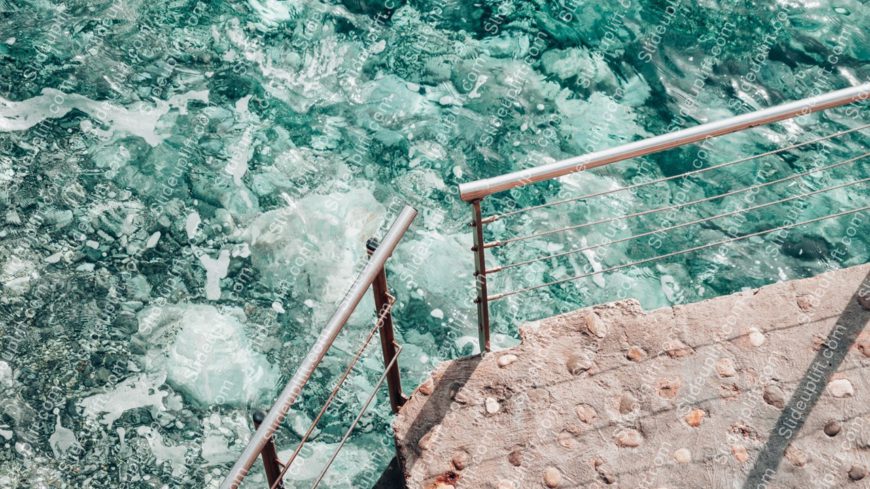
[(186, 189)]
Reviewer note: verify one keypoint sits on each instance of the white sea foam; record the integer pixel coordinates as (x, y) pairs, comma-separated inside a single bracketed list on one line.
[(135, 392), (215, 270), (140, 119)]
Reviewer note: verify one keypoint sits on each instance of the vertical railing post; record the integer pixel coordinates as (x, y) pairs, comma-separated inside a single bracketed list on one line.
[(388, 342), (269, 454), (480, 278)]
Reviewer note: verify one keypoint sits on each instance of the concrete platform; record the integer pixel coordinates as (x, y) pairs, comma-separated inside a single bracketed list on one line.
[(767, 388)]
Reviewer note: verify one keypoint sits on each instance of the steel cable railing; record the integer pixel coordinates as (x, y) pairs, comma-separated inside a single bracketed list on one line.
[(379, 323), (677, 226), (495, 244), (676, 253), (372, 276), (475, 192), (359, 416)]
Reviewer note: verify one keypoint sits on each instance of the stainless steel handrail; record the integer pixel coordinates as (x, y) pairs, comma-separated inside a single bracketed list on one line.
[(291, 391), (706, 169), (479, 189), (475, 192)]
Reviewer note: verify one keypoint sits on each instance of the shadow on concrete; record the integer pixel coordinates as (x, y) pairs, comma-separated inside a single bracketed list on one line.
[(438, 404), (827, 361), (392, 477)]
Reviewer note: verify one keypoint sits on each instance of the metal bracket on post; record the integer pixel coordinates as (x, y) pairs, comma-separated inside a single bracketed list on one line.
[(270, 455), (480, 279), (383, 307)]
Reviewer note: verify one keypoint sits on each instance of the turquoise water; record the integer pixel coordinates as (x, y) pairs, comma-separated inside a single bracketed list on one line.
[(187, 188)]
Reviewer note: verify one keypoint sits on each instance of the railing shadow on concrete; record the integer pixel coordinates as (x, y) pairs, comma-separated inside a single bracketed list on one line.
[(826, 362), (438, 404)]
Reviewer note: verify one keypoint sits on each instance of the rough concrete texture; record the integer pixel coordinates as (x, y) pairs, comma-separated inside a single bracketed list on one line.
[(767, 388)]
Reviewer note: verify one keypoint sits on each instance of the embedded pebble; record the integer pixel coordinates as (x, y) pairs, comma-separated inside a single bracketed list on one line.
[(683, 456), (586, 413), (805, 302), (774, 396), (462, 396), (505, 485), (567, 440), (841, 388), (740, 453), (578, 364), (797, 457), (725, 367), (606, 474), (539, 397), (832, 428), (678, 349), (864, 300), (668, 388), (460, 460), (492, 406), (427, 387), (515, 458), (635, 354), (857, 473), (505, 360), (595, 326), (552, 477), (629, 438), (627, 403), (426, 440), (756, 337), (695, 417), (729, 390), (863, 345)]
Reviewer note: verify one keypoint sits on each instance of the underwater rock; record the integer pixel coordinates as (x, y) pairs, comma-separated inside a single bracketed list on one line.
[(312, 246), (221, 191), (16, 275), (807, 247), (353, 463), (206, 354), (370, 7), (6, 376)]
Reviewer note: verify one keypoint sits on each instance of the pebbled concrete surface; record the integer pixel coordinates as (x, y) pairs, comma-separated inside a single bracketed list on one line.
[(767, 388)]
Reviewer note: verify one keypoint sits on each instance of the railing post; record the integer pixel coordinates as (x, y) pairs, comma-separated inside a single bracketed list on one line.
[(480, 278), (388, 342), (269, 454)]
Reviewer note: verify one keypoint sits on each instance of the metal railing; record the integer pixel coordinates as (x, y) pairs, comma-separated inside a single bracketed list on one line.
[(374, 276), (475, 192)]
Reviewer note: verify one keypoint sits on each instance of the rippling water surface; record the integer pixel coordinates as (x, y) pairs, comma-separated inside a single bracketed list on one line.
[(186, 189)]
